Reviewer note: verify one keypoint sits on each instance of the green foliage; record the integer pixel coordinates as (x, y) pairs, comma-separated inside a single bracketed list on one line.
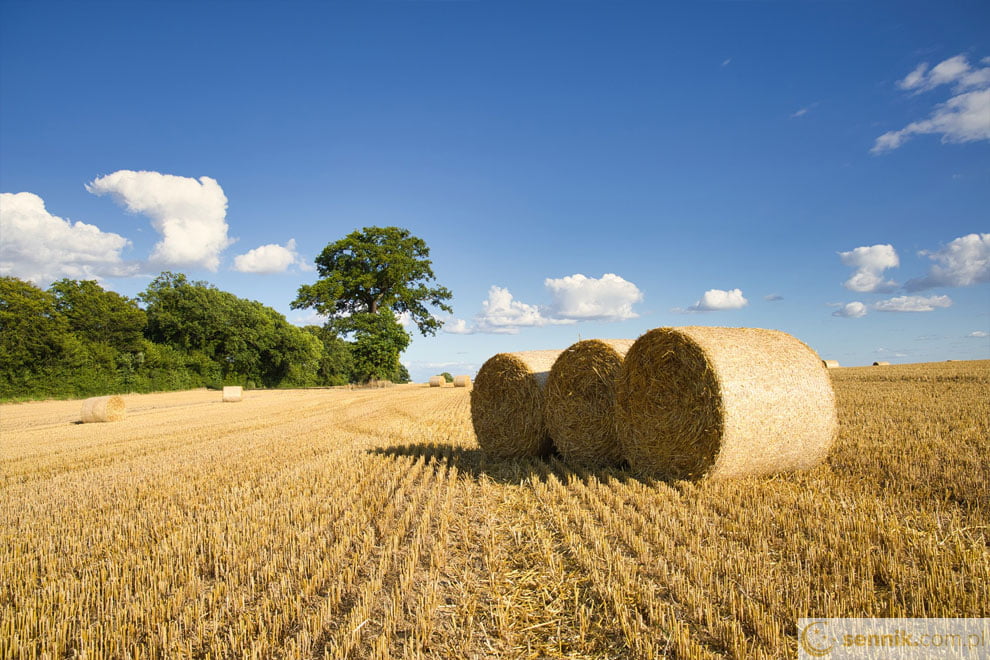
[(98, 316), (374, 269), (336, 360), (447, 377), (378, 341), (76, 339)]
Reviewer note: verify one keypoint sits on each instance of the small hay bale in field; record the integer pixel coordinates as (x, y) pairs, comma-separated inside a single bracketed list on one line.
[(723, 402), (103, 409), (579, 402), (830, 364), (462, 381), (233, 393), (436, 381), (507, 404), (881, 363)]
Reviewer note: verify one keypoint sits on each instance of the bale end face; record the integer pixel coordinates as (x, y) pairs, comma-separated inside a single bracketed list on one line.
[(507, 404), (723, 402), (579, 402), (437, 381), (233, 393), (462, 381), (103, 409)]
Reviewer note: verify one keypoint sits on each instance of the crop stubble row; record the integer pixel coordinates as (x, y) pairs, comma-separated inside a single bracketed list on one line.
[(368, 524)]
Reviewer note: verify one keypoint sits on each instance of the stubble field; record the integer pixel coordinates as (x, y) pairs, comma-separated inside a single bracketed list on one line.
[(367, 523)]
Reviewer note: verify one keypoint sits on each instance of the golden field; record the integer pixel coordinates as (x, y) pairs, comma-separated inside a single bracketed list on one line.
[(367, 524)]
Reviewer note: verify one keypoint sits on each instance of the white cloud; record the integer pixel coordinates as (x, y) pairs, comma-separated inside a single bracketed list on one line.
[(190, 214), (38, 246), (870, 262), (501, 314), (267, 259), (715, 300), (803, 111), (457, 327), (609, 298), (955, 70), (575, 298), (853, 310), (963, 262), (964, 117), (912, 304), (979, 334), (726, 61)]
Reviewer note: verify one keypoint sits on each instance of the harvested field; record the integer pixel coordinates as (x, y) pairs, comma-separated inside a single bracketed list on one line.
[(368, 524)]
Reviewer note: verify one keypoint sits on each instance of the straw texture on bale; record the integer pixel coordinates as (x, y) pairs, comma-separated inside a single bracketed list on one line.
[(462, 381), (579, 402), (507, 404), (881, 363), (723, 402), (436, 381), (233, 393), (103, 409), (830, 364)]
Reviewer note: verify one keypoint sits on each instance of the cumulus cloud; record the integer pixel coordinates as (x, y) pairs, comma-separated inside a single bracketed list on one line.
[(574, 298), (716, 300), (190, 214), (979, 334), (870, 263), (502, 314), (964, 117), (267, 259), (853, 310), (912, 304), (963, 262), (609, 298), (457, 327), (38, 246)]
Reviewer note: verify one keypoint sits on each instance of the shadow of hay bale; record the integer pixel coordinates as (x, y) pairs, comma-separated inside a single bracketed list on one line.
[(475, 464)]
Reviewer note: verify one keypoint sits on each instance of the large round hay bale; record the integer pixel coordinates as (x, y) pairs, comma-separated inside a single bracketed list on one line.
[(103, 409), (830, 364), (233, 393), (723, 402), (579, 402), (462, 381), (436, 381), (507, 404), (881, 363)]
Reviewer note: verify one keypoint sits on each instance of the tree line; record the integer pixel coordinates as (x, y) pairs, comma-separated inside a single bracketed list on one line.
[(78, 339)]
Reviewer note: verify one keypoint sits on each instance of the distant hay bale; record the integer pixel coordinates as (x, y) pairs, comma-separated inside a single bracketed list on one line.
[(830, 364), (507, 404), (579, 402), (723, 402), (462, 381), (881, 363), (233, 393), (437, 381), (103, 409)]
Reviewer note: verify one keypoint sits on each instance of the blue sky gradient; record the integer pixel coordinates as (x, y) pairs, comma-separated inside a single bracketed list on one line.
[(682, 147)]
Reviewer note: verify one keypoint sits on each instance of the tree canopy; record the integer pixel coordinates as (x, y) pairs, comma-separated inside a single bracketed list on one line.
[(373, 269)]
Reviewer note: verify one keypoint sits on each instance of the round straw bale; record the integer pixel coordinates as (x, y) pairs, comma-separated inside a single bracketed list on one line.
[(436, 381), (507, 404), (881, 363), (233, 393), (462, 381), (830, 364), (103, 409), (723, 402), (579, 402)]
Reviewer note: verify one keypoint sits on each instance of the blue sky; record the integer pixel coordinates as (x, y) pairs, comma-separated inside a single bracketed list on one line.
[(822, 168)]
